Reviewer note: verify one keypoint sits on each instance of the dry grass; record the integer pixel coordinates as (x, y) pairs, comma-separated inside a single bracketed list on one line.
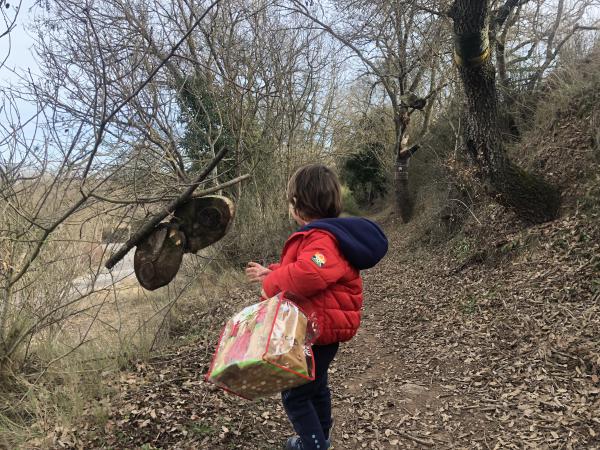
[(115, 328), (60, 373), (68, 337)]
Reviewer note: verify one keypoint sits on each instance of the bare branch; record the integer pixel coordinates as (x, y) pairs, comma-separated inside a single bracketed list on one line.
[(144, 201)]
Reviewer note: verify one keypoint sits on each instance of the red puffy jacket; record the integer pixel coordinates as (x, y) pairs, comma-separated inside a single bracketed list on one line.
[(321, 263)]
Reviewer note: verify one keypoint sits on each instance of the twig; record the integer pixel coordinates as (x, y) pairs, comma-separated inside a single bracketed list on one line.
[(144, 201), (418, 440), (467, 208)]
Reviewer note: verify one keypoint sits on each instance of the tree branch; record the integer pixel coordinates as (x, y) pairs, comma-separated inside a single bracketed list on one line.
[(142, 201), (148, 79)]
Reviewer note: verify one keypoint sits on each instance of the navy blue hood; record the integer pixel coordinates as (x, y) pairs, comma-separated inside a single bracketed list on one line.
[(362, 241)]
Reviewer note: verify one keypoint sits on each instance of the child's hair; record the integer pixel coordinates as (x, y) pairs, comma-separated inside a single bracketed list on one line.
[(314, 192)]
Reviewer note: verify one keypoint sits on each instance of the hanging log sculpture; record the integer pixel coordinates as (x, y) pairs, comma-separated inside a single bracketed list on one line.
[(149, 226), (158, 258), (204, 221), (196, 224)]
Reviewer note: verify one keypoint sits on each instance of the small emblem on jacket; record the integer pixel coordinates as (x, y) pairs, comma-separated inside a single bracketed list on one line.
[(319, 259)]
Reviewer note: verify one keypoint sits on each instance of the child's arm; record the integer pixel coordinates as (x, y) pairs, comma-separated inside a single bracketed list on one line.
[(319, 265)]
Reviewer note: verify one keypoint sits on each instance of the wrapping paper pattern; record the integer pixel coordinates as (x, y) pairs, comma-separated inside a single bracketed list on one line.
[(264, 350)]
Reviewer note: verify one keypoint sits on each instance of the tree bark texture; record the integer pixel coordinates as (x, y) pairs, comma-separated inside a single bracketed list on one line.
[(529, 195), (403, 199)]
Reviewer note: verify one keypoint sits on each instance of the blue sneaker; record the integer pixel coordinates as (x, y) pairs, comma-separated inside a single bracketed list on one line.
[(295, 443)]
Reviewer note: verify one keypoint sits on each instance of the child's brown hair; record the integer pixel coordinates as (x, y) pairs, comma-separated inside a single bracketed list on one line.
[(314, 192)]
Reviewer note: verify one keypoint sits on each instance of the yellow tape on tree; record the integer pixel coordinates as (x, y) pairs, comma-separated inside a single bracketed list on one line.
[(474, 61), (472, 49)]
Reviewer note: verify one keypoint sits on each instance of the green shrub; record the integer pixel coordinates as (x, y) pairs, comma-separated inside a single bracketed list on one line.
[(365, 173), (349, 204)]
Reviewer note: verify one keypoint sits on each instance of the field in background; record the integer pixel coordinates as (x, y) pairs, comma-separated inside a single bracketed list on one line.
[(104, 322)]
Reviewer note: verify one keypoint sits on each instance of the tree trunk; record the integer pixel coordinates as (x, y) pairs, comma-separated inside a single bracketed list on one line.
[(529, 195), (404, 202)]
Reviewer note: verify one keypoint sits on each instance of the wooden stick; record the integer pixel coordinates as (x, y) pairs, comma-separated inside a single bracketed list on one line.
[(418, 440), (149, 226)]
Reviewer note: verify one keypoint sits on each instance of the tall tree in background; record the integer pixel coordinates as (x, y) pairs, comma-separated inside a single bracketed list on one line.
[(529, 37), (399, 45), (201, 114), (363, 135), (529, 195)]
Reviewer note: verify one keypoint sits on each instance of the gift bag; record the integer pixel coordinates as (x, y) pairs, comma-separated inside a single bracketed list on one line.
[(264, 349)]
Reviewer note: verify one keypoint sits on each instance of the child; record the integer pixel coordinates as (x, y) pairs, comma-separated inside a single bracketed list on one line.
[(321, 262)]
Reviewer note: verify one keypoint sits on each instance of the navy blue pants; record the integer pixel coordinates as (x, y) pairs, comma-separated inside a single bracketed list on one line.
[(309, 406)]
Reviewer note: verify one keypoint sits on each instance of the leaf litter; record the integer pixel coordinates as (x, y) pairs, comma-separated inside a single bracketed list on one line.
[(494, 355)]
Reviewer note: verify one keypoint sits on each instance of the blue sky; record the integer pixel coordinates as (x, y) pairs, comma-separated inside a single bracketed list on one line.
[(21, 57), (18, 45)]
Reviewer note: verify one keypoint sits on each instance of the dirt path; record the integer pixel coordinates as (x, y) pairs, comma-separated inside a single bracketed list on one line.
[(495, 349)]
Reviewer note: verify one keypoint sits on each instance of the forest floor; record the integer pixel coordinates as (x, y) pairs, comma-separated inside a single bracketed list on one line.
[(489, 340)]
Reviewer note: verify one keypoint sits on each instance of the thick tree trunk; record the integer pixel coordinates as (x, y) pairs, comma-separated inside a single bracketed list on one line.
[(403, 199), (530, 196), (404, 203)]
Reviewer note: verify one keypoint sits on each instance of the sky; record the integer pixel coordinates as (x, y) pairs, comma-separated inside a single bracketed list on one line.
[(21, 42), (18, 45)]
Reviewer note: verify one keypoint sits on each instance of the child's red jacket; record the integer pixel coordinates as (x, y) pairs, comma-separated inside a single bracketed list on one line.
[(321, 263)]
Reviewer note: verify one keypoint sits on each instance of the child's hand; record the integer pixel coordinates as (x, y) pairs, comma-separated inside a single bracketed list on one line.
[(255, 273)]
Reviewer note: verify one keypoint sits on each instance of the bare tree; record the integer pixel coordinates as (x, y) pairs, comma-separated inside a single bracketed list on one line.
[(399, 46), (529, 36), (77, 152), (123, 87)]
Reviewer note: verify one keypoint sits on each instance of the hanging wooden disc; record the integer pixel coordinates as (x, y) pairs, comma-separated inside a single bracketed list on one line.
[(158, 258), (204, 221)]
